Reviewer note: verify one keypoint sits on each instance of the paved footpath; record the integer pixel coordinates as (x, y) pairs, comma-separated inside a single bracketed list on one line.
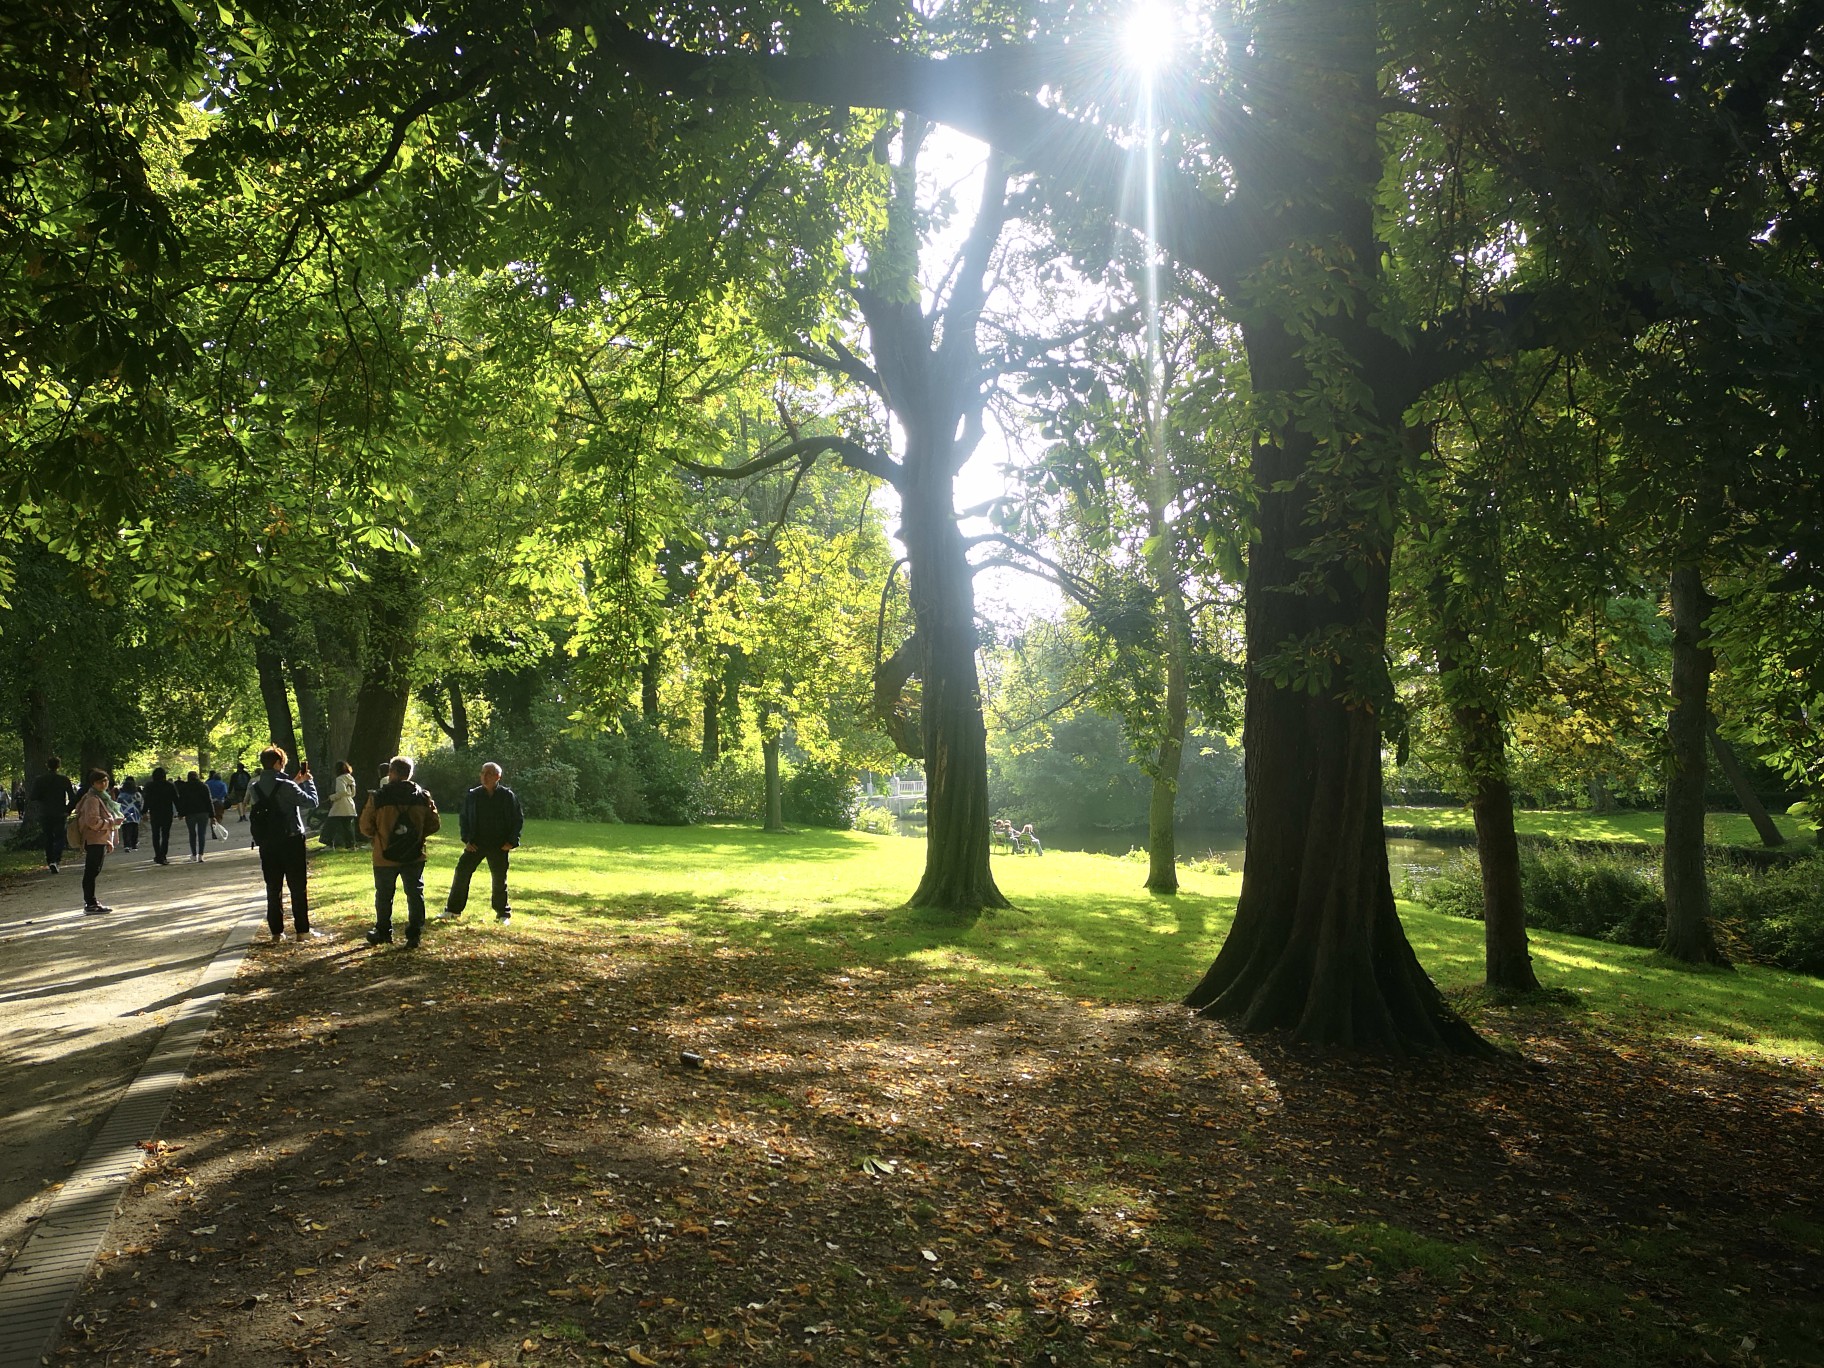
[(85, 1003)]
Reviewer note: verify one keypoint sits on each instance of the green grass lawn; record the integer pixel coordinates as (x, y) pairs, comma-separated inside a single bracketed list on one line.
[(1649, 828), (1082, 925)]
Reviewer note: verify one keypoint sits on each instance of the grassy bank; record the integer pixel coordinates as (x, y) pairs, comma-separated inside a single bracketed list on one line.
[(1620, 828)]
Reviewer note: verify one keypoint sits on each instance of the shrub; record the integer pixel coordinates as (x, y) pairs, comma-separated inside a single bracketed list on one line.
[(1601, 895), (1456, 889), (820, 795), (1773, 916), (734, 790), (548, 791), (671, 776), (877, 819)]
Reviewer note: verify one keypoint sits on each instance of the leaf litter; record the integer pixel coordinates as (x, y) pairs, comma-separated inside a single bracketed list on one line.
[(498, 1151)]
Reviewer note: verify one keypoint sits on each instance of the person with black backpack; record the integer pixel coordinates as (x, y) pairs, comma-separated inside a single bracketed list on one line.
[(275, 820), (397, 818)]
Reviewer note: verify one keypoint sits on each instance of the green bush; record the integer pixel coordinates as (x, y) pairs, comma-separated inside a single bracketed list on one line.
[(1456, 889), (671, 776), (635, 775), (1773, 916), (874, 818), (1601, 895), (734, 790), (820, 796)]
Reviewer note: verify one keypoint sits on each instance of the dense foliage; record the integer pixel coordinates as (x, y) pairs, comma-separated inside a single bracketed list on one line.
[(1772, 915)]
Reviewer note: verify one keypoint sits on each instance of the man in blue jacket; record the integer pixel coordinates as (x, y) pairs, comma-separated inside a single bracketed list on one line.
[(491, 823)]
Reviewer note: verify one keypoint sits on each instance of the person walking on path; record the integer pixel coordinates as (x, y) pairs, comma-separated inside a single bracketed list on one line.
[(237, 789), (194, 805), (161, 807), (94, 821), (397, 818), (491, 824), (132, 800), (339, 827), (52, 796), (275, 819), (218, 795)]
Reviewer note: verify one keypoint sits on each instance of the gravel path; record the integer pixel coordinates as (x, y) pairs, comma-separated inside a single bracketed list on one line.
[(83, 1000)]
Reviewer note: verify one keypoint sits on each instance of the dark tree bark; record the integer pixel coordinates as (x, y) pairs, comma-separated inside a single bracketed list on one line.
[(941, 585), (933, 380), (1745, 795), (1688, 932), (775, 798), (269, 662), (336, 629), (649, 684), (394, 601), (1316, 947), (1162, 808), (37, 741), (1481, 740), (455, 728), (1507, 962), (712, 722)]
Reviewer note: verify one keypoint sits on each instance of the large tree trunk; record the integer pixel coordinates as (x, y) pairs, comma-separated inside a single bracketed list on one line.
[(1316, 947), (941, 586), (37, 740), (1688, 934), (313, 718), (394, 603), (1745, 795)]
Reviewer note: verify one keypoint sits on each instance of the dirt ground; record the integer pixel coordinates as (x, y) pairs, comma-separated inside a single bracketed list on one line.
[(572, 1146)]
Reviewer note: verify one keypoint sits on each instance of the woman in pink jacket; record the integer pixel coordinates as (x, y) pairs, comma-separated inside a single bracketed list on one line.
[(94, 820)]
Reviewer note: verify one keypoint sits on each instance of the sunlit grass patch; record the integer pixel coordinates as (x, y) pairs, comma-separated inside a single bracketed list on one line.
[(1082, 926)]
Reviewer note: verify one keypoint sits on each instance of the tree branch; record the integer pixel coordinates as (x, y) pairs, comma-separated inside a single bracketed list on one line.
[(1074, 585), (839, 360), (989, 95), (849, 452)]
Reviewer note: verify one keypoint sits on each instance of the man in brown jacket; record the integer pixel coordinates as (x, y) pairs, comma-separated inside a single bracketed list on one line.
[(397, 818)]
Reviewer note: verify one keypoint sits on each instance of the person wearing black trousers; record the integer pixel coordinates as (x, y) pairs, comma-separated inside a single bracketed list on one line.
[(161, 808), (275, 816), (491, 824), (97, 818), (53, 795)]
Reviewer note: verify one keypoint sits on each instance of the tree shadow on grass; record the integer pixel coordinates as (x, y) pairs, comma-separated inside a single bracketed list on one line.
[(1115, 948)]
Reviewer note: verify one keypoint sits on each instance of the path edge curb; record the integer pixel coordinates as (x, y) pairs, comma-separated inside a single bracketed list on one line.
[(38, 1288)]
